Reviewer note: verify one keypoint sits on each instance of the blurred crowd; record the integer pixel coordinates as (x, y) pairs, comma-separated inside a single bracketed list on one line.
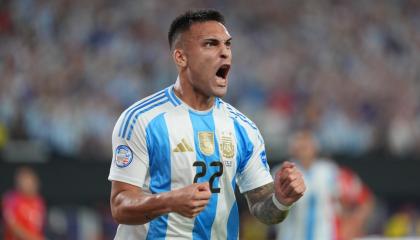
[(348, 70)]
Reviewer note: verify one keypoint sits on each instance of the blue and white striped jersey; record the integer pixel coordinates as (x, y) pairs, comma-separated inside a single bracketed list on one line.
[(160, 144), (313, 216)]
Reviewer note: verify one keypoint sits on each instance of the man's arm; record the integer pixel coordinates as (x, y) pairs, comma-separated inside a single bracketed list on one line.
[(357, 203), (131, 205), (287, 188), (261, 205), (354, 220)]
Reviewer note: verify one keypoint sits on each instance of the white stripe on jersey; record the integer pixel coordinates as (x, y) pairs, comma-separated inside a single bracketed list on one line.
[(181, 169), (226, 198)]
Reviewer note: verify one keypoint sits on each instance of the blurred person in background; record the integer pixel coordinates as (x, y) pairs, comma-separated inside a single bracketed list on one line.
[(336, 205), (23, 208), (405, 222)]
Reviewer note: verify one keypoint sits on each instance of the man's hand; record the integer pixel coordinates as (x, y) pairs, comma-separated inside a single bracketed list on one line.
[(288, 184), (190, 200), (288, 187)]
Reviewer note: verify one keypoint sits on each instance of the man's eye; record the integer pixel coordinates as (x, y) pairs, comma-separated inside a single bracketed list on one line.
[(210, 44)]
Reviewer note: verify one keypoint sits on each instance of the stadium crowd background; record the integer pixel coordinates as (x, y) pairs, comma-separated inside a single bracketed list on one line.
[(349, 70)]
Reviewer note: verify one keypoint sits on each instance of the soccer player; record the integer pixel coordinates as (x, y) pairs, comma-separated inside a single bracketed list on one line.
[(336, 205), (24, 208), (179, 153)]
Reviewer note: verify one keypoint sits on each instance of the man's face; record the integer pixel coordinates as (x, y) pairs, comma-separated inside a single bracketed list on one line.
[(207, 47), (304, 147), (27, 181)]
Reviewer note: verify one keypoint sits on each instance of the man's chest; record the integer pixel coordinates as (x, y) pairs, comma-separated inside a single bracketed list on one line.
[(199, 149)]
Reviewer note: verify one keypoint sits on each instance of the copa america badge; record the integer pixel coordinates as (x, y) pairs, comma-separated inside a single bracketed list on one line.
[(123, 156)]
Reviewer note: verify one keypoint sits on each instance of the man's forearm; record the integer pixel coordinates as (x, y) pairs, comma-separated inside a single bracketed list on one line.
[(131, 205), (129, 209), (262, 206), (268, 213)]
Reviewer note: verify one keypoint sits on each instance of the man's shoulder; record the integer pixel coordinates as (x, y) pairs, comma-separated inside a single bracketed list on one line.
[(9, 195), (325, 165), (163, 100), (145, 110), (237, 115), (153, 100)]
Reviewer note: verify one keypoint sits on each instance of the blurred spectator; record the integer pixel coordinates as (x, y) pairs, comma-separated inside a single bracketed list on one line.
[(23, 208), (347, 69), (336, 204), (404, 223)]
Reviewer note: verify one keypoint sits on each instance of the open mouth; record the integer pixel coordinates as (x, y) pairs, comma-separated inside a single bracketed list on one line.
[(223, 71)]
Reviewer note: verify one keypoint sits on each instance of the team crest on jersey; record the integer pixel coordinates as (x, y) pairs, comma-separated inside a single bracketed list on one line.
[(206, 140), (226, 145), (123, 156)]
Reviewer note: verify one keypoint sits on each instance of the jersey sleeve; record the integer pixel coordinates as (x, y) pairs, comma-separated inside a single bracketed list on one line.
[(253, 171), (130, 160)]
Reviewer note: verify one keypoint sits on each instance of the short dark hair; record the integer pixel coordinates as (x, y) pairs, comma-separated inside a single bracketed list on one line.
[(184, 21)]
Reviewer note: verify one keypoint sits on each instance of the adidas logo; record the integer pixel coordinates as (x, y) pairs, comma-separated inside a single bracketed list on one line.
[(183, 146)]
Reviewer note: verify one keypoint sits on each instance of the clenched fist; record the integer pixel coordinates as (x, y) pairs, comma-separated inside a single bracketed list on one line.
[(288, 184), (190, 200)]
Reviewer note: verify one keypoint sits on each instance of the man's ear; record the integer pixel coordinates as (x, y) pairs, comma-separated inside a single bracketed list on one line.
[(179, 57)]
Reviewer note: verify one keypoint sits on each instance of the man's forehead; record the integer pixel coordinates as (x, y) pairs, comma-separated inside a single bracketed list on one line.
[(210, 29)]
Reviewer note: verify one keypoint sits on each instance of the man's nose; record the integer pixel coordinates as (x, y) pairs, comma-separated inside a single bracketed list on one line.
[(225, 52)]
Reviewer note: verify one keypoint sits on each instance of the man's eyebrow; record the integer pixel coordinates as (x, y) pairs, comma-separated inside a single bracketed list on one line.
[(217, 39), (213, 39)]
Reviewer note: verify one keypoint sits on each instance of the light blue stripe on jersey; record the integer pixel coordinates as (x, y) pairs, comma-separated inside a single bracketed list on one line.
[(159, 151), (131, 110), (244, 152), (233, 220), (244, 146), (310, 219), (142, 111), (204, 221)]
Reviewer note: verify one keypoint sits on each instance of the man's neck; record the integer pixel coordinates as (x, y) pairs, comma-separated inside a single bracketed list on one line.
[(192, 97), (307, 163)]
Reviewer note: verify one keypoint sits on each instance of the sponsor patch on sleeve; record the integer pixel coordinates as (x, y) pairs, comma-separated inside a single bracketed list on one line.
[(123, 156)]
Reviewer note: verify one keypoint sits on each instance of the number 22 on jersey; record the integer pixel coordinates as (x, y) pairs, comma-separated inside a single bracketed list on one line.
[(202, 172)]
